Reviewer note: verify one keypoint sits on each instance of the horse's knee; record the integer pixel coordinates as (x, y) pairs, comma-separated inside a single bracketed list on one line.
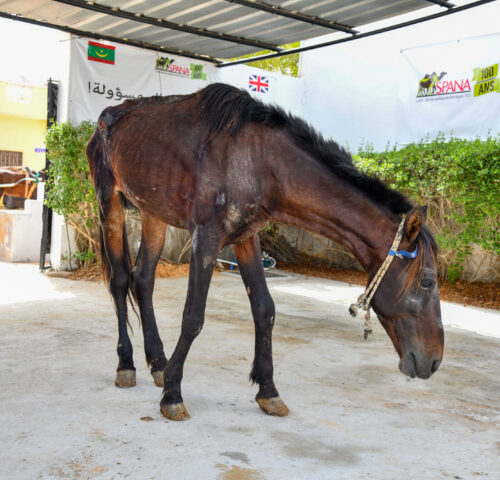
[(192, 325), (264, 312)]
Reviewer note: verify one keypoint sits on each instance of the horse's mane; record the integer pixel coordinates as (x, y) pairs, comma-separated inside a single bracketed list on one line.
[(225, 109)]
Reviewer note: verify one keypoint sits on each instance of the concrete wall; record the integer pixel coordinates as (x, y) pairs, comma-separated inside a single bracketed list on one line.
[(21, 233), (23, 117), (63, 245)]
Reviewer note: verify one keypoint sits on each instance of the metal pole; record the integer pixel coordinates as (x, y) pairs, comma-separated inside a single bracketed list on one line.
[(52, 97)]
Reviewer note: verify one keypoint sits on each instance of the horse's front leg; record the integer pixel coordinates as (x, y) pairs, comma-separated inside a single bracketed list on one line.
[(205, 246), (153, 239), (252, 272)]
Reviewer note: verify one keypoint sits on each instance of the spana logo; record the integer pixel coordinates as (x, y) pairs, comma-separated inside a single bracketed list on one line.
[(433, 85), (167, 65), (486, 80)]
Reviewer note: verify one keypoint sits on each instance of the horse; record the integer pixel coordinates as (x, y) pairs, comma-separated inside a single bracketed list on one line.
[(19, 182), (223, 164)]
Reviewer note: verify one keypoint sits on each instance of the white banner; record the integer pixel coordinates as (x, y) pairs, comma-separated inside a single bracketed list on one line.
[(105, 74), (452, 88), (273, 88)]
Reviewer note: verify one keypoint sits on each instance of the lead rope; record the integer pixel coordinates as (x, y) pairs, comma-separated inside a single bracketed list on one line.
[(365, 298)]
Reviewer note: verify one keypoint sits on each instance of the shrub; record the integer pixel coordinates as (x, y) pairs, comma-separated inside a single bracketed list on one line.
[(70, 192), (459, 180), (286, 65)]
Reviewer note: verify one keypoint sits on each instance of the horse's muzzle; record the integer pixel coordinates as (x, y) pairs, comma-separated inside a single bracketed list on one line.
[(415, 366)]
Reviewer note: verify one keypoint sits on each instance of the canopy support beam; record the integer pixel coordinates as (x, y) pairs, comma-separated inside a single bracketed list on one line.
[(357, 36)]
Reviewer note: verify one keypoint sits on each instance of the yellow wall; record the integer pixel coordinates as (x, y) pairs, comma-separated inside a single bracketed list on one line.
[(24, 101), (23, 135), (23, 113)]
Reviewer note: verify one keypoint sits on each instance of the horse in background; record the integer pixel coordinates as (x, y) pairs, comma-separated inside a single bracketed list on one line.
[(222, 164), (20, 182)]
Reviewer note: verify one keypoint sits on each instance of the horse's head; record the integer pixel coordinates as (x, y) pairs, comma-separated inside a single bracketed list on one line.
[(407, 301)]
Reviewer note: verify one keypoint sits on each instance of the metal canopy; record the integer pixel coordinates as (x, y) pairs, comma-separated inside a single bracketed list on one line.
[(210, 30)]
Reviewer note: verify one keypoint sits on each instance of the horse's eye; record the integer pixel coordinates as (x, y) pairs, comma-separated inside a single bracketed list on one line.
[(427, 283)]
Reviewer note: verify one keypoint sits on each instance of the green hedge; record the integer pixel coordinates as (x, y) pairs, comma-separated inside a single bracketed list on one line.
[(69, 189), (459, 180)]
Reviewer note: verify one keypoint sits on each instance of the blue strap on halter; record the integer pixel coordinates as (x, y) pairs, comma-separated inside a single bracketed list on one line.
[(404, 253)]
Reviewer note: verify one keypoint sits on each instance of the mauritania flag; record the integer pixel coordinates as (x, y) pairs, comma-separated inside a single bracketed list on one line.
[(101, 53)]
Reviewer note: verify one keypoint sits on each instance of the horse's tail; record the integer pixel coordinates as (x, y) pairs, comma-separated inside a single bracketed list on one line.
[(104, 185)]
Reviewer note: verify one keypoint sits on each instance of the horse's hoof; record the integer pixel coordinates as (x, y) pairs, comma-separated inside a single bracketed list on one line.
[(273, 406), (125, 378), (158, 378), (176, 411)]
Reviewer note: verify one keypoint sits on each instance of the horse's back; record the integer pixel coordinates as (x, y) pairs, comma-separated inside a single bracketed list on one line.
[(151, 147), (159, 162)]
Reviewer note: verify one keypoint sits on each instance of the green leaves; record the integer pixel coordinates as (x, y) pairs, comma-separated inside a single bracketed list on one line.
[(287, 65), (69, 181), (459, 179), (69, 189)]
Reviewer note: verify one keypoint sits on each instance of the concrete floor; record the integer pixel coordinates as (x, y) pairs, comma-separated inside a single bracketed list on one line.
[(353, 414)]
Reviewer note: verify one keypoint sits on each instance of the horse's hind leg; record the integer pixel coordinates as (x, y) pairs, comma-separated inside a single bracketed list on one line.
[(117, 270), (204, 253), (249, 260), (153, 239)]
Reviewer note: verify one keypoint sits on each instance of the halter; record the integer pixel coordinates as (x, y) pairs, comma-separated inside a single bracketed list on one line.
[(365, 298)]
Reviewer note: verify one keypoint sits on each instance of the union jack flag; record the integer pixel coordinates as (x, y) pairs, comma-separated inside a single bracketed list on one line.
[(257, 83)]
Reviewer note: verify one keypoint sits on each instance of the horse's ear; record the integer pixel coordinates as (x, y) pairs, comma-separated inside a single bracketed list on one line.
[(414, 221)]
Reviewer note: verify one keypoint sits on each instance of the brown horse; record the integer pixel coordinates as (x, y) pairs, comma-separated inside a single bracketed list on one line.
[(19, 182), (222, 164)]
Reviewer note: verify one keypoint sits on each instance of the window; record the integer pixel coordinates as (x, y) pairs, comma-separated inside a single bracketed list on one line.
[(11, 159)]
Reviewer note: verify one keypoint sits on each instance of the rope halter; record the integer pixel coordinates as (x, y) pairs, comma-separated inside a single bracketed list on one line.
[(365, 298)]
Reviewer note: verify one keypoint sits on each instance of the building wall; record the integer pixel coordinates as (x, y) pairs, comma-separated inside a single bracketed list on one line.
[(23, 113), (23, 135)]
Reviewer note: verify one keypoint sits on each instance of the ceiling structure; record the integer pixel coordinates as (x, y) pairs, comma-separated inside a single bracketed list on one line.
[(217, 30)]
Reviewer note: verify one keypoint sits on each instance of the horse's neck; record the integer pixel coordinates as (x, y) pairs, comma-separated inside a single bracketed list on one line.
[(314, 199)]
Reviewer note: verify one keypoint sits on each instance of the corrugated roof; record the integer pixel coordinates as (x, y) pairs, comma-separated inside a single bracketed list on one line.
[(209, 29)]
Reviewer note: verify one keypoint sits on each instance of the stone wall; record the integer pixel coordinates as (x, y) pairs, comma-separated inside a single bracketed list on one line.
[(480, 267)]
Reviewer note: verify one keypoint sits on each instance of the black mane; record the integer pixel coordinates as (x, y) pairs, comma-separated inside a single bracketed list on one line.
[(225, 109)]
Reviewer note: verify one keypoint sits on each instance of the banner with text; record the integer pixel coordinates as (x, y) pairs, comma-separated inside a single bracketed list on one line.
[(103, 75), (452, 88)]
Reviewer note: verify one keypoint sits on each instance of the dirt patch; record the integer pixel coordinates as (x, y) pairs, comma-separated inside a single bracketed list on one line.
[(169, 270), (234, 472), (485, 295), (93, 273)]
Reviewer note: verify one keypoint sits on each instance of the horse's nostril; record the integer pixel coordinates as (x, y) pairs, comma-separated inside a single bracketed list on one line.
[(411, 365), (435, 365), (413, 358)]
